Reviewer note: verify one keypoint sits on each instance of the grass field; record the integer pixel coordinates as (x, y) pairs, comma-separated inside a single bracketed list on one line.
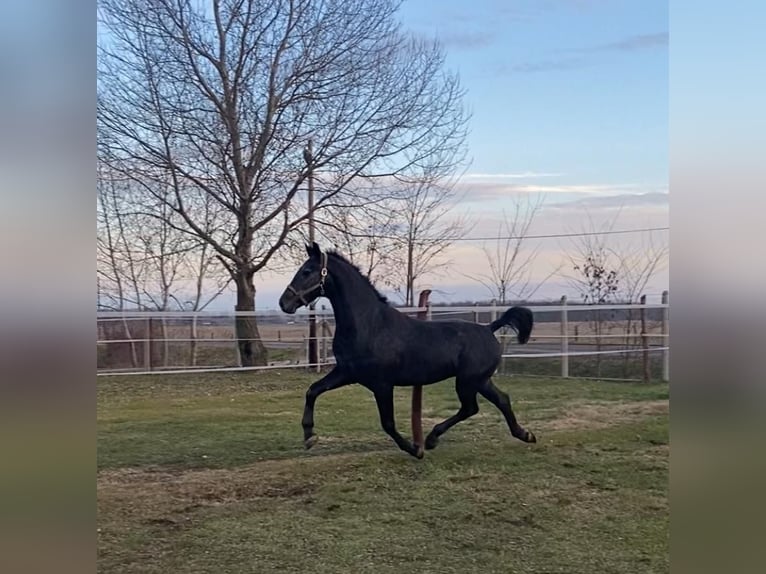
[(208, 474)]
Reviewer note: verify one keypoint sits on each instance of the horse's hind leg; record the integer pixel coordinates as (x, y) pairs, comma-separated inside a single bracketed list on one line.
[(503, 402), (385, 399), (468, 407)]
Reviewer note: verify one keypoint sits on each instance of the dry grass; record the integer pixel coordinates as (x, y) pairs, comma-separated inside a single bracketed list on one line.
[(582, 416)]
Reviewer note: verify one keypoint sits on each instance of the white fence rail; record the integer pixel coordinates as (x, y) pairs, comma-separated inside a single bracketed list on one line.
[(140, 343)]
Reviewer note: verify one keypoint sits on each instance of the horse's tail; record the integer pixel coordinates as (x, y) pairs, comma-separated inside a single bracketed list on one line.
[(520, 320)]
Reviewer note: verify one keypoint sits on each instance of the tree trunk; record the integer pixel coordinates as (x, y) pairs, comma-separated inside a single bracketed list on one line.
[(193, 342), (629, 341), (599, 329), (165, 343), (251, 350), (133, 352), (410, 297)]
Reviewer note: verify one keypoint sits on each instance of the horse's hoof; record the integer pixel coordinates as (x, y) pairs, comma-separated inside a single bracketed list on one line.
[(419, 452), (431, 442), (529, 437), (311, 441)]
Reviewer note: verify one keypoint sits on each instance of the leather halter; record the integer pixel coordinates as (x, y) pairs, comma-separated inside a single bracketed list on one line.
[(303, 292)]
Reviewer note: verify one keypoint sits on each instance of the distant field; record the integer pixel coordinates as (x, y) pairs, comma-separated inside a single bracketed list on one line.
[(201, 474)]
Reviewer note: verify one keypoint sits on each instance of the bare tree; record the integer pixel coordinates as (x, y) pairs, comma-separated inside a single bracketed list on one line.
[(145, 263), (203, 263), (596, 275), (219, 101), (120, 274), (116, 275), (365, 236), (638, 262), (400, 239), (635, 262), (609, 269), (510, 259), (426, 229)]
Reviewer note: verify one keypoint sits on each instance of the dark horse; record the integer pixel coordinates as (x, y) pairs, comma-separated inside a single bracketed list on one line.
[(380, 348)]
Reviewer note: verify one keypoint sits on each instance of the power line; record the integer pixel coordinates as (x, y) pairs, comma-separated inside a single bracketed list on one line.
[(499, 237), (561, 235)]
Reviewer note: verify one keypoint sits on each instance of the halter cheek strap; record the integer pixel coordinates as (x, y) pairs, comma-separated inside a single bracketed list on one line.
[(303, 292)]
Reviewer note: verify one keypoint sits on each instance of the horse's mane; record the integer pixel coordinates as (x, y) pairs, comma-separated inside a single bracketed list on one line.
[(336, 255)]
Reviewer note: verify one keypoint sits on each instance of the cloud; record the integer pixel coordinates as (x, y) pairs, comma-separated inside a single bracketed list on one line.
[(579, 58), (633, 43), (479, 191), (465, 40), (648, 199), (519, 175), (557, 65)]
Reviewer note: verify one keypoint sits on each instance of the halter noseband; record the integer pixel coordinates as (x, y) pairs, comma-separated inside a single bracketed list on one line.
[(303, 292)]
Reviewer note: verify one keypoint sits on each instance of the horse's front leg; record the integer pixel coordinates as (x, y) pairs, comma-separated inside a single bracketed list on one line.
[(332, 380)]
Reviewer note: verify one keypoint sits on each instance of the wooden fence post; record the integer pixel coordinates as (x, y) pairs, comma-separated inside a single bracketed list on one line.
[(325, 331), (237, 352), (492, 317), (133, 349), (193, 343), (148, 345), (564, 338), (644, 341), (665, 339), (313, 341), (416, 417)]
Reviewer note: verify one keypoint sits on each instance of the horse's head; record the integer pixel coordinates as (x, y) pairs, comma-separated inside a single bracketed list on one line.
[(308, 282)]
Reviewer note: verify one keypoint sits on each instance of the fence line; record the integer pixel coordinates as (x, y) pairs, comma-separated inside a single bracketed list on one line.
[(319, 338), (329, 362), (148, 346), (186, 371), (435, 309), (199, 340), (582, 353)]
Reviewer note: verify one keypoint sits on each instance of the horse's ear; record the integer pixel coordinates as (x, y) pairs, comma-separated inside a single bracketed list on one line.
[(313, 250)]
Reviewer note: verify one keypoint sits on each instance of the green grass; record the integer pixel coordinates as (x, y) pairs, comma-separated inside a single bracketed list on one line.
[(611, 367), (208, 474)]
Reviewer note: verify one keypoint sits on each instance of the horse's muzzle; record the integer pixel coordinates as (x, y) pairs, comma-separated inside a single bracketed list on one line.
[(288, 302)]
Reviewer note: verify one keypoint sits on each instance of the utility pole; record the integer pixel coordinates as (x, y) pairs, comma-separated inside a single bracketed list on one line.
[(313, 347)]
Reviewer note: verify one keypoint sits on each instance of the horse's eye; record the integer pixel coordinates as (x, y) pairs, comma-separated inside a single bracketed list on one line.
[(305, 271)]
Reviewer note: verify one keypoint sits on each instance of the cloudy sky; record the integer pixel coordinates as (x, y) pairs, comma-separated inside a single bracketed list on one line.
[(569, 102)]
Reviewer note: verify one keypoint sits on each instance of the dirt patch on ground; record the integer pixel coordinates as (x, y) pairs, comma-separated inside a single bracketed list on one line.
[(167, 497), (167, 489), (602, 415), (578, 416)]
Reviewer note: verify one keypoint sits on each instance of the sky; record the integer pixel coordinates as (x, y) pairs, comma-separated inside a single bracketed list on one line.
[(569, 103)]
